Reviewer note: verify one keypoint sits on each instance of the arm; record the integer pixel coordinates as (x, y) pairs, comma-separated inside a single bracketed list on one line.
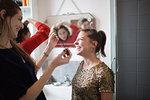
[(106, 96), (41, 35), (75, 29), (52, 41), (107, 84), (32, 21), (36, 88)]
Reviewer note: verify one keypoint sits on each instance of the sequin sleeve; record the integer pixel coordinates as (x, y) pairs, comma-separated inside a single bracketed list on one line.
[(106, 81)]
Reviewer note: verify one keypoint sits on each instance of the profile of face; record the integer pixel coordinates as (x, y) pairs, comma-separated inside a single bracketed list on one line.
[(83, 44), (16, 23), (85, 25), (62, 34)]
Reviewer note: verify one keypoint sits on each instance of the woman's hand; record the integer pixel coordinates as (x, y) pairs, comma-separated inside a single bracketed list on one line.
[(31, 21), (52, 40), (52, 30), (26, 22), (62, 58)]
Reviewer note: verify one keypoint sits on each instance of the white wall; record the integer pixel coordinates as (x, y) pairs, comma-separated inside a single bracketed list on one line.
[(100, 9)]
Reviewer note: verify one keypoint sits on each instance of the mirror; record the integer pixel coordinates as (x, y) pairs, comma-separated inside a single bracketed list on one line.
[(67, 34)]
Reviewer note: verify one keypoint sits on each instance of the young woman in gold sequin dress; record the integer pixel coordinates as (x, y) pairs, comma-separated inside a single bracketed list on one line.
[(94, 80)]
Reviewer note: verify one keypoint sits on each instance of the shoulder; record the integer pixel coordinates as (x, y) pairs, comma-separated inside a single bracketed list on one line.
[(80, 65), (4, 54), (104, 70), (74, 27)]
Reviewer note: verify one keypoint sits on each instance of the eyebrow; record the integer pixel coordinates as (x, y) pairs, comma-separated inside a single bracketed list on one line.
[(81, 37)]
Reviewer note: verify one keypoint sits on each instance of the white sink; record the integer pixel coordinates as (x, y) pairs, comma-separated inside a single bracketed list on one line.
[(57, 92)]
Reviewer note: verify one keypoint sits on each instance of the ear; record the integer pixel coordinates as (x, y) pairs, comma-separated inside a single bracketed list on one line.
[(3, 13), (94, 43)]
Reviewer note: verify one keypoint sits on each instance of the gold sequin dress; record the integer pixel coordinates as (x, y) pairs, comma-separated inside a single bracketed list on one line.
[(87, 84)]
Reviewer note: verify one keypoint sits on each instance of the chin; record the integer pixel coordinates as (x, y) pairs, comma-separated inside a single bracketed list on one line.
[(78, 53), (15, 34), (64, 39)]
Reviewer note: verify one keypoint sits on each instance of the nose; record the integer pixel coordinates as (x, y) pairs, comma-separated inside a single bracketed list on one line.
[(75, 42)]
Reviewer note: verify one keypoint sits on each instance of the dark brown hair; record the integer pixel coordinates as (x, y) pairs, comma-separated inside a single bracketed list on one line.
[(100, 37), (11, 9), (81, 21), (22, 32)]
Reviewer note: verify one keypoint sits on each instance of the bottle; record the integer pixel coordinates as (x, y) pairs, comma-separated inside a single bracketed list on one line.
[(24, 3), (27, 2)]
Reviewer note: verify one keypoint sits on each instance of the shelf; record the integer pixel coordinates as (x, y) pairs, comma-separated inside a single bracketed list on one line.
[(25, 7), (26, 10)]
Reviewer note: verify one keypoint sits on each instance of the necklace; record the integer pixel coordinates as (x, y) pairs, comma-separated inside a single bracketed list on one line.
[(14, 52)]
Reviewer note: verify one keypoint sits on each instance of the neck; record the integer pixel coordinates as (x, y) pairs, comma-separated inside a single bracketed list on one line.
[(90, 61), (5, 42)]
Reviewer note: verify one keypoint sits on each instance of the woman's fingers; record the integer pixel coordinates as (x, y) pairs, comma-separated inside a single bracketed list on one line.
[(53, 40), (66, 54), (62, 58)]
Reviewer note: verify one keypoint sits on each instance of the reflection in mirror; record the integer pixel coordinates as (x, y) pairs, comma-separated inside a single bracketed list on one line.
[(68, 31), (84, 23), (62, 32)]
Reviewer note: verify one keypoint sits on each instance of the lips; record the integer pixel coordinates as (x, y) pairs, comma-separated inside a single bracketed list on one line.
[(78, 47)]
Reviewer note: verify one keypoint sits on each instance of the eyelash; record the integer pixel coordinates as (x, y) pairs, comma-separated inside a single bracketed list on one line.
[(80, 38)]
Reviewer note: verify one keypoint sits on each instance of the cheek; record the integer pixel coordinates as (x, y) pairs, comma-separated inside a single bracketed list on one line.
[(82, 26), (13, 28), (12, 24), (59, 35), (29, 34), (66, 34), (14, 21), (85, 46)]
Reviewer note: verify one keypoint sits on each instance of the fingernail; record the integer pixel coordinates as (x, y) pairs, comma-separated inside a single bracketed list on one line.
[(64, 50)]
